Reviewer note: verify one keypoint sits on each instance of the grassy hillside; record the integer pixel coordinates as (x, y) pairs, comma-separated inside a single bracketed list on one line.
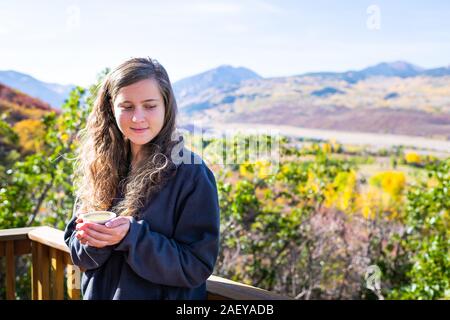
[(21, 117)]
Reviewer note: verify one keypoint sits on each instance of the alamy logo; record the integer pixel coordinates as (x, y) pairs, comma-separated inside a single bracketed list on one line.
[(374, 17), (373, 280), (73, 18), (248, 147)]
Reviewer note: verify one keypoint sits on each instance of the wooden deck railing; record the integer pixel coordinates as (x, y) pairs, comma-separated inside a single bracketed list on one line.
[(53, 273)]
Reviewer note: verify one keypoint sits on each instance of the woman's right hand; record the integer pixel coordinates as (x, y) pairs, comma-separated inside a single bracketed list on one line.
[(80, 233), (99, 236)]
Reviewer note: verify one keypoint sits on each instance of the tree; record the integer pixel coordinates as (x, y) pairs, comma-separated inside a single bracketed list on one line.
[(426, 243)]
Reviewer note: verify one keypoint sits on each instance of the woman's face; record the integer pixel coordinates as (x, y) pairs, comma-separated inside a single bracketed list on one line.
[(139, 111)]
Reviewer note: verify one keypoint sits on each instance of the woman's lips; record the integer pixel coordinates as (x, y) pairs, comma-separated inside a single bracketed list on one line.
[(139, 130)]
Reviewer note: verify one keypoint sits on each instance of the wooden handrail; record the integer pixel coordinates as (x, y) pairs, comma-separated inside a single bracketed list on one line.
[(221, 288), (51, 263), (50, 237)]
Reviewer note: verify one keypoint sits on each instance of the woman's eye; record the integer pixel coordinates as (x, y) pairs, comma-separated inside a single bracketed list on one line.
[(126, 107), (150, 107)]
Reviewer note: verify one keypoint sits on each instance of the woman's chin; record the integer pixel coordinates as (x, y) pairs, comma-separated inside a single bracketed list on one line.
[(141, 140)]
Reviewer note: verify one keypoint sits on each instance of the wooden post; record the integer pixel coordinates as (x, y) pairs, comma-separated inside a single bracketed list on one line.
[(10, 271), (34, 270), (43, 272), (57, 274), (73, 282)]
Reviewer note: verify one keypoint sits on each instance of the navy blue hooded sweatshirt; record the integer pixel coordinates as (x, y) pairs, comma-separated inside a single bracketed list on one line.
[(168, 253)]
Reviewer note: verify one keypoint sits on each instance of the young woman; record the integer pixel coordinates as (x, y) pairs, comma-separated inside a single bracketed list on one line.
[(164, 242)]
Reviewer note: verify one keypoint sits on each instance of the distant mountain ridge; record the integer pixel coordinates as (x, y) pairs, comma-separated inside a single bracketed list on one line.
[(400, 69), (52, 93), (390, 97), (227, 75), (224, 77), (12, 96), (18, 106), (221, 77), (200, 92)]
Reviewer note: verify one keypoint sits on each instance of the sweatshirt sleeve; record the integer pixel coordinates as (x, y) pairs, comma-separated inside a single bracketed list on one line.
[(188, 258), (84, 256)]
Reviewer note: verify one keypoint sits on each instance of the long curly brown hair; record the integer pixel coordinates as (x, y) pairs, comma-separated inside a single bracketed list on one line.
[(103, 168)]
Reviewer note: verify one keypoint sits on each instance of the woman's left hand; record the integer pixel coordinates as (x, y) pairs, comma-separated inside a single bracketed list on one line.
[(99, 236)]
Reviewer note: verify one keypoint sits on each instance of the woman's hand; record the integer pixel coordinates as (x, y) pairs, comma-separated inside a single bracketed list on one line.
[(99, 236)]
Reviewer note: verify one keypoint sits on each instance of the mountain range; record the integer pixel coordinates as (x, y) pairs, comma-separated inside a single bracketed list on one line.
[(400, 69), (23, 115), (17, 106), (226, 76), (220, 77), (52, 93), (390, 97)]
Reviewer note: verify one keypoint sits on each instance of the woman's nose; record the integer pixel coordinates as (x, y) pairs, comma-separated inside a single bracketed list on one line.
[(137, 115)]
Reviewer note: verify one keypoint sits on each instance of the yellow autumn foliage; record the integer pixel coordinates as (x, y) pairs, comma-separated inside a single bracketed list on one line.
[(326, 148), (312, 183), (263, 168), (368, 203), (246, 170), (384, 195), (260, 168), (390, 182), (413, 158), (341, 192), (30, 132)]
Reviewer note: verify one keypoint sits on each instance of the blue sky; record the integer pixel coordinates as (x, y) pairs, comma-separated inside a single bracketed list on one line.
[(71, 41)]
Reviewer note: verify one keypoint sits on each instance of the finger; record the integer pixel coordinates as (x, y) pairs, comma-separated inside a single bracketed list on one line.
[(94, 242), (98, 235), (79, 234), (115, 222), (100, 228), (82, 226), (79, 220), (91, 225)]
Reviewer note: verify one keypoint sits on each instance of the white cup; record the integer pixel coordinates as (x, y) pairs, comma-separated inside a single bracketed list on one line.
[(100, 217)]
